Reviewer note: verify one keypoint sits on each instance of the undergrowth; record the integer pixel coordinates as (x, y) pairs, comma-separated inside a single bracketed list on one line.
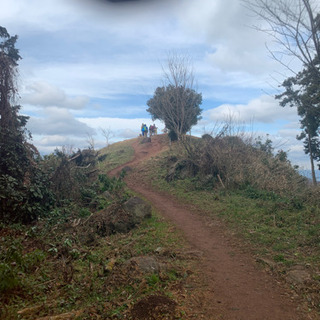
[(47, 269), (43, 275), (55, 267), (271, 222)]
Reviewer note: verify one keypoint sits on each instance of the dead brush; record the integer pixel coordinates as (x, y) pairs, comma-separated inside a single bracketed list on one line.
[(233, 162)]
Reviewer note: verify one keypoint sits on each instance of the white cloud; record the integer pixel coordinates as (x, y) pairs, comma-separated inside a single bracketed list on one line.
[(231, 60), (127, 133), (227, 28), (264, 109), (55, 121), (43, 94), (33, 14), (58, 129), (55, 141), (47, 144), (131, 74)]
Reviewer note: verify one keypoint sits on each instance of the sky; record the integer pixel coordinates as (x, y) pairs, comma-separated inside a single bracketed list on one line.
[(92, 65)]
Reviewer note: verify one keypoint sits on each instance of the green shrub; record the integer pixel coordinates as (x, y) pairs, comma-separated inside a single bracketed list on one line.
[(32, 259), (84, 212), (114, 185), (8, 278)]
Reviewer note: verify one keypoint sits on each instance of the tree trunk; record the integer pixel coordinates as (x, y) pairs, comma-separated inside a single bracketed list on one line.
[(314, 180)]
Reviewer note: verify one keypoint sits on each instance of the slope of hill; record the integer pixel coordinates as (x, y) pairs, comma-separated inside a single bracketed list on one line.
[(241, 289), (208, 252)]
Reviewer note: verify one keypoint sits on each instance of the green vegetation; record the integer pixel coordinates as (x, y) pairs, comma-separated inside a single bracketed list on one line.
[(302, 92), (270, 223), (273, 218), (260, 197), (57, 266), (32, 186), (47, 271), (115, 155), (24, 192), (177, 104), (167, 103)]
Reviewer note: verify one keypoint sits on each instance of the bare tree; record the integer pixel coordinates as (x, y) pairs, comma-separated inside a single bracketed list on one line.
[(293, 24), (90, 141), (178, 71), (108, 134)]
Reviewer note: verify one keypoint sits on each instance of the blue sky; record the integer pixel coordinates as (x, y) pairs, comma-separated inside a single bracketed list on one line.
[(93, 64)]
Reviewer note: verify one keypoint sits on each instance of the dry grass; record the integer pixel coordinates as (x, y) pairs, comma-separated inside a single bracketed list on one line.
[(233, 163)]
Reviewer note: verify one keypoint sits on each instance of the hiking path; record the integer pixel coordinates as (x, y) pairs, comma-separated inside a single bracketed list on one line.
[(232, 285)]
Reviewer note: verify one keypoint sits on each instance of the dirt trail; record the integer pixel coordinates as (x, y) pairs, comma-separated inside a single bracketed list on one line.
[(235, 287)]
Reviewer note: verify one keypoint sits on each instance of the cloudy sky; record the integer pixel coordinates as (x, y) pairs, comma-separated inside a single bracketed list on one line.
[(93, 64)]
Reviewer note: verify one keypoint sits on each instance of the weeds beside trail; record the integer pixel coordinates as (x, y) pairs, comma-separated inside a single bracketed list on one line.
[(50, 272), (63, 267)]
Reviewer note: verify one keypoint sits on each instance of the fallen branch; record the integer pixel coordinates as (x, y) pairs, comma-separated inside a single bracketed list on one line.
[(221, 181)]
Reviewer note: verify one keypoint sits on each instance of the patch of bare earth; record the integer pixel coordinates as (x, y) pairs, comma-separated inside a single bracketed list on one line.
[(154, 307), (228, 283)]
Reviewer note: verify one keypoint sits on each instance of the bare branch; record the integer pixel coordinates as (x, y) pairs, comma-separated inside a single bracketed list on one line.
[(292, 25), (90, 141), (108, 134)]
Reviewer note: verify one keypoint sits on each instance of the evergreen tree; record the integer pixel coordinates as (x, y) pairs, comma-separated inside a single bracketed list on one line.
[(303, 92), (23, 186)]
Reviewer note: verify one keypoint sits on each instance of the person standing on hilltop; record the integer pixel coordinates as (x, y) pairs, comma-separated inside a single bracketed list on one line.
[(151, 130)]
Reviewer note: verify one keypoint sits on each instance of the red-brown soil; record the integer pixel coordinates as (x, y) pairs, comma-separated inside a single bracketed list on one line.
[(230, 284)]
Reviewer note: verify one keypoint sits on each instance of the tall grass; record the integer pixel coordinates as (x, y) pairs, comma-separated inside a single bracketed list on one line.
[(233, 162)]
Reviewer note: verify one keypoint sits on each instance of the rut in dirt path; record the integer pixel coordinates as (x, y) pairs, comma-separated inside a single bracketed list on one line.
[(235, 288)]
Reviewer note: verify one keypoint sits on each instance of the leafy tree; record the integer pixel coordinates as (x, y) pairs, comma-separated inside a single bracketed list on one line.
[(282, 156), (176, 103), (303, 92), (23, 186), (177, 107)]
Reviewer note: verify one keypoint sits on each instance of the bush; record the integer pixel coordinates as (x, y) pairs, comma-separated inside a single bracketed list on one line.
[(114, 185), (8, 278), (232, 163), (73, 176), (14, 262)]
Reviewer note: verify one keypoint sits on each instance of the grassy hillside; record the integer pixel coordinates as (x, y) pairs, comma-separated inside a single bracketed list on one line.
[(66, 267), (116, 154), (263, 200), (56, 268)]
